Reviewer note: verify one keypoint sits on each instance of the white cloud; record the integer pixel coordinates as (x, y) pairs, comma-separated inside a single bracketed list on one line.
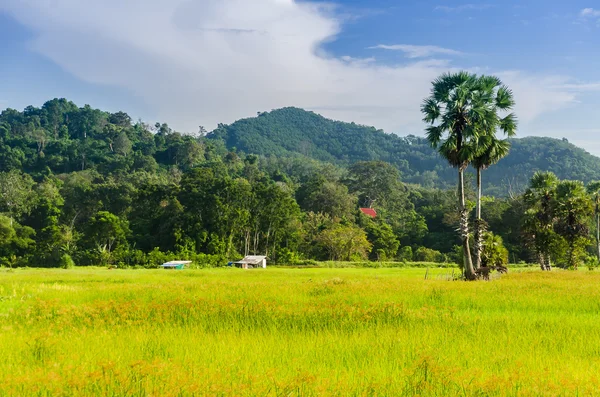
[(417, 51), (590, 13), (580, 87), (209, 61), (358, 61), (536, 95), (464, 7)]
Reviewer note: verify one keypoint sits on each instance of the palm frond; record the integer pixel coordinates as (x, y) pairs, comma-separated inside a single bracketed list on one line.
[(493, 150), (431, 109), (489, 82), (543, 181), (444, 85), (505, 98), (448, 150), (508, 125), (593, 188), (434, 135)]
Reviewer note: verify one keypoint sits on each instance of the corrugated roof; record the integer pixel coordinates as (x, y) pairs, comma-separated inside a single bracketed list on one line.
[(252, 260)]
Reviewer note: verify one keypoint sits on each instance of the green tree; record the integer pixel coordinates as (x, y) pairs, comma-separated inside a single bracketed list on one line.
[(593, 189), (345, 243), (573, 207), (539, 220), (375, 182), (106, 233), (493, 253), (490, 149), (329, 197), (495, 151), (16, 195), (424, 254), (384, 241), (459, 111), (16, 242), (122, 144)]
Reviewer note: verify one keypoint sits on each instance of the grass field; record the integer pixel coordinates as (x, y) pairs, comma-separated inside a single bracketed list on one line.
[(297, 332)]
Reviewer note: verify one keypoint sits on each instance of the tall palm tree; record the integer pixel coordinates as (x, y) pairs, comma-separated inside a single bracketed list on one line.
[(492, 149), (540, 215), (593, 189), (495, 151), (462, 107)]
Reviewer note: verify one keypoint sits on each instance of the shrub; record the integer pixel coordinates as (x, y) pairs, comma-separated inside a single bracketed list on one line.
[(405, 254), (494, 253), (591, 262), (457, 255), (424, 254), (66, 262), (286, 256)]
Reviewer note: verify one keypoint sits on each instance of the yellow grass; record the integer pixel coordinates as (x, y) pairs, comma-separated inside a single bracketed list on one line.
[(297, 332)]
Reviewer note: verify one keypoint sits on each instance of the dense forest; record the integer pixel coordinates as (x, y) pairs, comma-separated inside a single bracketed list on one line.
[(83, 186)]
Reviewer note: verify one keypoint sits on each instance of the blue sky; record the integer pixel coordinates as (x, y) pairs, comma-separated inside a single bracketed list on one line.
[(202, 62)]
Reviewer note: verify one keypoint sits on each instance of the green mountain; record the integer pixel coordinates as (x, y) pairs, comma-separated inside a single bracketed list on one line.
[(293, 131)]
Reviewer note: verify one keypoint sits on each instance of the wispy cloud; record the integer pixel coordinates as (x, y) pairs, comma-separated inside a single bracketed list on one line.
[(579, 87), (417, 51), (464, 7), (358, 61), (590, 13)]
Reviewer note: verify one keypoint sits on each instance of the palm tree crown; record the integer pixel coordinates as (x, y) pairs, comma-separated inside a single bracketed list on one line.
[(464, 108)]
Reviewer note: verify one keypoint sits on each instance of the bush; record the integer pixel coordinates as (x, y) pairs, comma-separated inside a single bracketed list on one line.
[(66, 262), (405, 254), (286, 256), (308, 263), (201, 261), (494, 253), (457, 255), (424, 254), (591, 262)]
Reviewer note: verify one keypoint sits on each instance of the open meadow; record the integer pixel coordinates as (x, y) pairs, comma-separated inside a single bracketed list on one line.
[(297, 332)]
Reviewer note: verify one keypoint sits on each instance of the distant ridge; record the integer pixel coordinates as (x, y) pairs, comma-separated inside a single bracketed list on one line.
[(299, 132)]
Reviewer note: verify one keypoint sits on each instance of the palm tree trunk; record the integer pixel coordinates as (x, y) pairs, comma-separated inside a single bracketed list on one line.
[(572, 261), (464, 228), (542, 260), (598, 232), (478, 224)]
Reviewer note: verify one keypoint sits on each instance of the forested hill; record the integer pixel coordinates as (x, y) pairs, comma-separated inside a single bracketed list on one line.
[(60, 138), (293, 131)]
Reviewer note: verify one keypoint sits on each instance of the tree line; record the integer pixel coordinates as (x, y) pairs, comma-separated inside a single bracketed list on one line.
[(88, 187)]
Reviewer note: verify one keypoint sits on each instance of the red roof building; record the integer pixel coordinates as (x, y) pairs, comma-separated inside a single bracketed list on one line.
[(369, 212)]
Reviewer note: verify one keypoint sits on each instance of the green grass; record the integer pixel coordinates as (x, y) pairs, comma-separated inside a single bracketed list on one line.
[(297, 332)]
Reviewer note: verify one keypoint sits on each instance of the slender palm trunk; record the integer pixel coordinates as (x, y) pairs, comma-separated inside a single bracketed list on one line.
[(464, 228), (478, 224), (598, 231), (572, 258), (548, 263)]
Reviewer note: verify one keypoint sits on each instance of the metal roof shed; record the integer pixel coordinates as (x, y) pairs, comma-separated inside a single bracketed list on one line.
[(179, 265), (252, 261)]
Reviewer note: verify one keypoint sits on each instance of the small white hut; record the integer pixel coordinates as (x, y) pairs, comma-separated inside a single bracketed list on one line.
[(175, 265), (252, 261)]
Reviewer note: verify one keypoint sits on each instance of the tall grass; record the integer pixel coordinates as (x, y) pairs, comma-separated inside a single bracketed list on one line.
[(298, 332)]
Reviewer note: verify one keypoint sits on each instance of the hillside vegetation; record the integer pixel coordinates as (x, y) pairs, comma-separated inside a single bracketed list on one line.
[(293, 131)]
